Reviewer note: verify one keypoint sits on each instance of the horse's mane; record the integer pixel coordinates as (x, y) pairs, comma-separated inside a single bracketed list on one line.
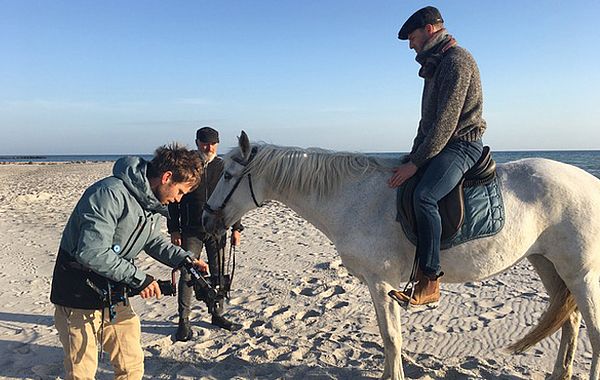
[(313, 170)]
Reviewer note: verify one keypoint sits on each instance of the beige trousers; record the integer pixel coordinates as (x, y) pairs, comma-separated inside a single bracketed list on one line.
[(80, 331)]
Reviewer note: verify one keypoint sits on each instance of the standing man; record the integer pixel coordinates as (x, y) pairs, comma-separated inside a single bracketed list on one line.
[(448, 141), (115, 219), (187, 231)]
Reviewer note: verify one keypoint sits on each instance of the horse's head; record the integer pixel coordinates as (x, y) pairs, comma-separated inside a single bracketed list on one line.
[(236, 193)]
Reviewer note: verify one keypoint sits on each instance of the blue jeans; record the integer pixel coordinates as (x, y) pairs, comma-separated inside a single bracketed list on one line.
[(441, 174)]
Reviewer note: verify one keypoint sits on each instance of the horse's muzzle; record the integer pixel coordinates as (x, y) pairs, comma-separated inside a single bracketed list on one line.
[(213, 220)]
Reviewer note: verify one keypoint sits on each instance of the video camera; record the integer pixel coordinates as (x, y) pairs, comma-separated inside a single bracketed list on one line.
[(167, 288), (208, 289), (114, 294)]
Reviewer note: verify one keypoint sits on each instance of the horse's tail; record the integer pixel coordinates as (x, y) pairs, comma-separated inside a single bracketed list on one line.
[(562, 305)]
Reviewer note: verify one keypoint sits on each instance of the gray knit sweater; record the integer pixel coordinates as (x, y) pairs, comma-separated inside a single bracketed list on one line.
[(451, 107)]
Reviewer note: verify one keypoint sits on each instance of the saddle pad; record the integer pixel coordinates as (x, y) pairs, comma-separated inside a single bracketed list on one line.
[(484, 215)]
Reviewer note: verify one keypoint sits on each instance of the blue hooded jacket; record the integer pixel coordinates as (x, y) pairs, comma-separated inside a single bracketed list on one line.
[(115, 219)]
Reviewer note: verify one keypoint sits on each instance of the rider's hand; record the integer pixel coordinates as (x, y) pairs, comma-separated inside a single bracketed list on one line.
[(176, 238), (402, 173), (235, 237), (152, 290)]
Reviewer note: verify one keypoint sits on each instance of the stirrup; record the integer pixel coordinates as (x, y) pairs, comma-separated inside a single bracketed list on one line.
[(409, 290), (407, 300), (408, 306)]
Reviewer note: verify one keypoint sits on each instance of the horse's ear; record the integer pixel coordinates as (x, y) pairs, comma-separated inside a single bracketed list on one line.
[(244, 144)]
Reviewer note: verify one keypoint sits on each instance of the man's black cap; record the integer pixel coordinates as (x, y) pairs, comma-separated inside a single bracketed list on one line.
[(422, 17), (207, 135)]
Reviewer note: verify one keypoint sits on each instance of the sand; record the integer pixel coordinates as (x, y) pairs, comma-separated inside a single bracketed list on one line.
[(303, 315)]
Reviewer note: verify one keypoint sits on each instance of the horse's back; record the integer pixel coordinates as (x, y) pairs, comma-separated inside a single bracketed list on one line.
[(542, 176), (551, 209), (555, 199)]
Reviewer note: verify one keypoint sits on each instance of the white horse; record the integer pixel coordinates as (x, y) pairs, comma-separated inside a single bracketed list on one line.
[(552, 219)]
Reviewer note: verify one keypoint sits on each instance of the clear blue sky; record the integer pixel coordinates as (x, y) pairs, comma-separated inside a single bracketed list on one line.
[(113, 77)]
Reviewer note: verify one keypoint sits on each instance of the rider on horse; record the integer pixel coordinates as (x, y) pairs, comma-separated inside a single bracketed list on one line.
[(448, 141)]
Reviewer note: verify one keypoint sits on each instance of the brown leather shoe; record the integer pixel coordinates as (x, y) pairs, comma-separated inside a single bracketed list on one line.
[(427, 291)]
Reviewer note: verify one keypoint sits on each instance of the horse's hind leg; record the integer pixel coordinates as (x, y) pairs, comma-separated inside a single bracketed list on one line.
[(585, 287), (388, 320), (563, 368)]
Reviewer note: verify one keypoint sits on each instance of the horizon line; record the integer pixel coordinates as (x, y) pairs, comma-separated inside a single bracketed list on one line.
[(45, 155)]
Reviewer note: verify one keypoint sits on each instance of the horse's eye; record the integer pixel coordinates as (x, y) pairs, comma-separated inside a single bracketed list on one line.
[(227, 176)]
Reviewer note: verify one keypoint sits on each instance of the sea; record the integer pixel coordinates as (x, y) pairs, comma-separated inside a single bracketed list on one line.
[(588, 160)]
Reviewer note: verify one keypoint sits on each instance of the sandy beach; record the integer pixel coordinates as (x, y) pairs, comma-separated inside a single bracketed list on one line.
[(303, 315)]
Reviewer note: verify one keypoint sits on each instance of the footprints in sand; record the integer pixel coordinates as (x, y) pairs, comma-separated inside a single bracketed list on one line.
[(326, 294), (292, 320), (33, 198), (39, 195), (277, 317), (318, 288)]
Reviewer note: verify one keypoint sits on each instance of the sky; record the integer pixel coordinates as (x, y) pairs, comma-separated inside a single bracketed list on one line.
[(123, 77)]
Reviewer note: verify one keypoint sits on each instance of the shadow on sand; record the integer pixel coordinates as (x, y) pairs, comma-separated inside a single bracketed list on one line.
[(20, 359), (32, 361)]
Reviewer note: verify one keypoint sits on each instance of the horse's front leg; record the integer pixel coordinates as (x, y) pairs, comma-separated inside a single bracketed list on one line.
[(388, 319)]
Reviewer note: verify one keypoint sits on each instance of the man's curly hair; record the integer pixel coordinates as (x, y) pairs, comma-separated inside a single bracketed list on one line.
[(186, 165)]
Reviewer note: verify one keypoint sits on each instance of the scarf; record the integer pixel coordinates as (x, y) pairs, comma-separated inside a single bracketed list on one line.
[(433, 52)]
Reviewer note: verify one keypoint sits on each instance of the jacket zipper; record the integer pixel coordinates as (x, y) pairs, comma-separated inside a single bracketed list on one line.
[(127, 245), (137, 237)]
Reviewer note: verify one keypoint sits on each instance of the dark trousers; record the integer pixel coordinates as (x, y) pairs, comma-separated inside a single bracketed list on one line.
[(441, 174), (214, 252)]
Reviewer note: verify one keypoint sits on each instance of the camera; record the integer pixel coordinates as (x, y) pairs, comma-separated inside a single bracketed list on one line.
[(167, 287), (208, 289)]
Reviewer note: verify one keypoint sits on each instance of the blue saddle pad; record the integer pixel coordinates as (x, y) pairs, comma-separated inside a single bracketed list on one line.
[(484, 215)]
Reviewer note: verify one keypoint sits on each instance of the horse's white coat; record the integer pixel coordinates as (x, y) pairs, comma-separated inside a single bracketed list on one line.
[(552, 218)]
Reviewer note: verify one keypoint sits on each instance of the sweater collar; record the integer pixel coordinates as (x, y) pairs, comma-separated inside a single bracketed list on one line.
[(433, 52)]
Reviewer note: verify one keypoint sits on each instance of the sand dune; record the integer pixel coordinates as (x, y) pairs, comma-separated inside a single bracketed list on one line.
[(303, 315)]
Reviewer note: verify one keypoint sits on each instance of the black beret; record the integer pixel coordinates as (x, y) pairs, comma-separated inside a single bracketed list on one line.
[(207, 135), (422, 17)]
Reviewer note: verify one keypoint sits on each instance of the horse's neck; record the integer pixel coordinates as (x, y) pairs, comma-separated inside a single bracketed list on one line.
[(311, 209), (360, 220), (330, 213)]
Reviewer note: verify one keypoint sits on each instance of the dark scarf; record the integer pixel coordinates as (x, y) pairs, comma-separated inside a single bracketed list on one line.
[(433, 52)]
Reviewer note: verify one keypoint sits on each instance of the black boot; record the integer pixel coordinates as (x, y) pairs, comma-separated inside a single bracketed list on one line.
[(220, 321), (184, 330)]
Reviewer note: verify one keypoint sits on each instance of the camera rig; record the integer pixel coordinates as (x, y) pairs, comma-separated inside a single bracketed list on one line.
[(208, 289)]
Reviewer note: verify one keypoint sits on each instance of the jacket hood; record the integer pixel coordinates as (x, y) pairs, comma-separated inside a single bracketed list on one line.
[(132, 171)]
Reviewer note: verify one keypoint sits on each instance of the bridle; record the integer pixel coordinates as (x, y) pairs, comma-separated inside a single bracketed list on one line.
[(219, 211)]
